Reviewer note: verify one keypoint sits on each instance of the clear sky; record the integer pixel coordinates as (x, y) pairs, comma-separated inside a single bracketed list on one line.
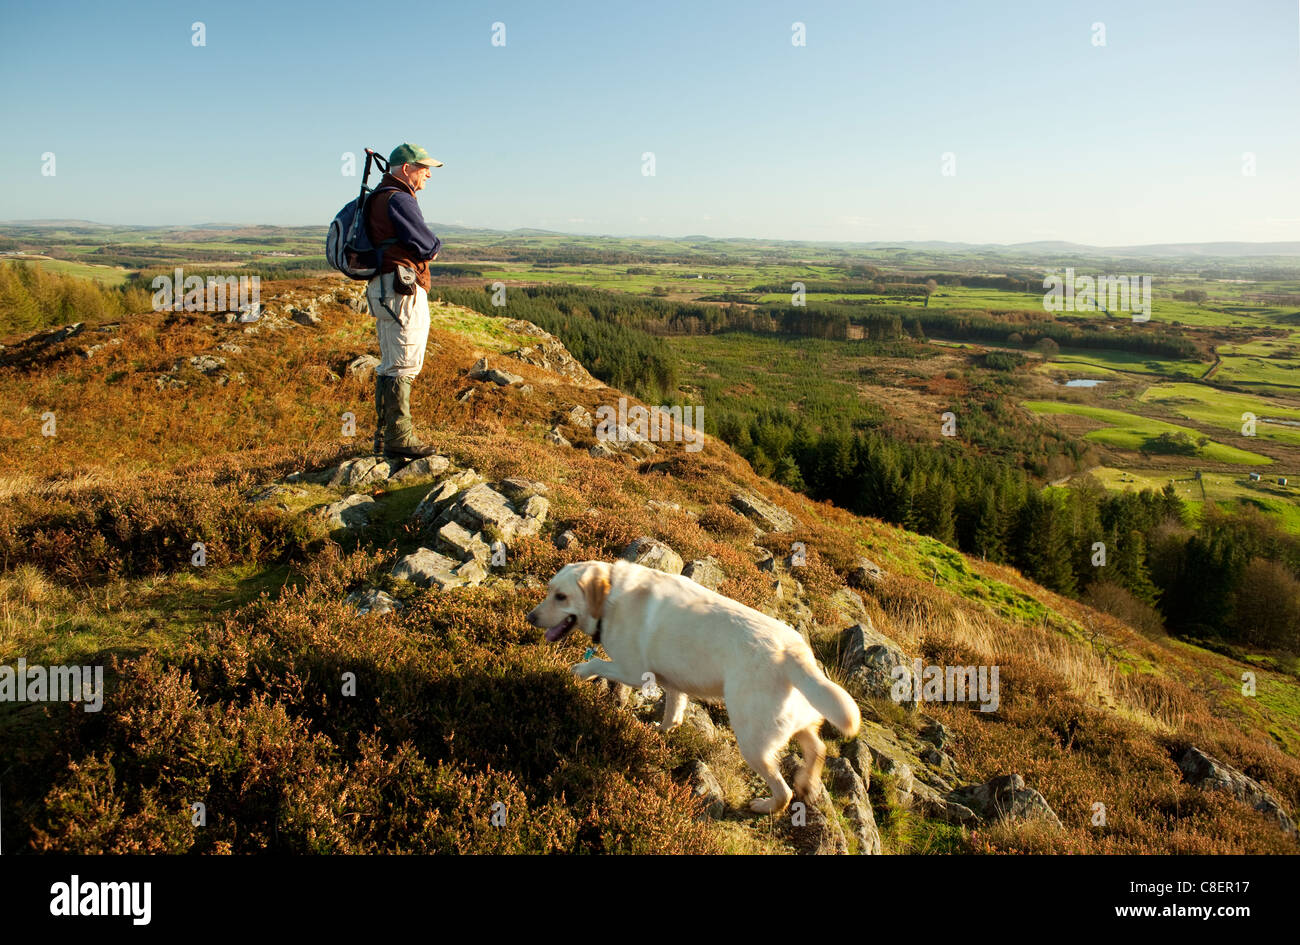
[(1137, 141)]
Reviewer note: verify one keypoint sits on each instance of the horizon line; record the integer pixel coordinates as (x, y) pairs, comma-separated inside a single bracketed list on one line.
[(687, 236)]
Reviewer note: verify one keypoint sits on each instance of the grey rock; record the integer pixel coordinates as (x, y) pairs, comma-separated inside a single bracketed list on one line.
[(358, 472), (482, 508), (423, 468), (870, 658), (551, 355), (566, 539), (1006, 798), (620, 437), (353, 300), (373, 601), (704, 786), (203, 363), (427, 568), (436, 500), (456, 540), (820, 833), (556, 438), (936, 733), (845, 783), (1209, 774), (352, 512), (363, 366), (653, 553), (858, 754), (887, 757), (940, 761), (866, 574), (930, 803), (767, 514), (536, 508), (481, 372), (706, 572), (601, 450), (849, 602), (304, 316), (579, 416), (516, 489)]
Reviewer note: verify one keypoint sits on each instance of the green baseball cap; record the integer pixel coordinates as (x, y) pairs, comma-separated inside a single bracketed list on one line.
[(412, 154)]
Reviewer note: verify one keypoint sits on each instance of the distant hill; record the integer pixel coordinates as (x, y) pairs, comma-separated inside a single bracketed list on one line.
[(1226, 249)]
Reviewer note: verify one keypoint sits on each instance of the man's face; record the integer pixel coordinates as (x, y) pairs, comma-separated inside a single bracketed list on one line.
[(416, 175)]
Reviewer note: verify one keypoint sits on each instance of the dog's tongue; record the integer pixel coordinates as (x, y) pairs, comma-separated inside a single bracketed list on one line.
[(558, 630)]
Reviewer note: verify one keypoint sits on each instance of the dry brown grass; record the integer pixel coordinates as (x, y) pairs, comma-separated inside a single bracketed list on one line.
[(1090, 709)]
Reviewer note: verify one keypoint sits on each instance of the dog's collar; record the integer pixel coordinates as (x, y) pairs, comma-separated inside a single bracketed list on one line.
[(595, 637)]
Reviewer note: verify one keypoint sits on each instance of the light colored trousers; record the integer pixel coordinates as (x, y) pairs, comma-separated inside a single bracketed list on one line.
[(401, 339)]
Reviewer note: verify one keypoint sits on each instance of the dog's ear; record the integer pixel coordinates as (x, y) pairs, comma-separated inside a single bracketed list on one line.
[(595, 586)]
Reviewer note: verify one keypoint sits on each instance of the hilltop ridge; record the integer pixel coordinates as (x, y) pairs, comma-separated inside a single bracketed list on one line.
[(179, 427)]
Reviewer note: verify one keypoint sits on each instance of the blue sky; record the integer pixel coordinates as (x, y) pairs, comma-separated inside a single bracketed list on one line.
[(1137, 141)]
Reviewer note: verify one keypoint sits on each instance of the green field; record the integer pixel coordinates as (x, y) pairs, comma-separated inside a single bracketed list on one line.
[(1271, 362), (1129, 431), (1221, 488), (106, 275), (1224, 409)]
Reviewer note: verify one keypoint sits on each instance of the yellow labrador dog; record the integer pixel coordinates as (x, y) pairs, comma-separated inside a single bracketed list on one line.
[(698, 643)]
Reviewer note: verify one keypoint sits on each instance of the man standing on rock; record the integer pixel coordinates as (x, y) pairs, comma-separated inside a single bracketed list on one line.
[(399, 295)]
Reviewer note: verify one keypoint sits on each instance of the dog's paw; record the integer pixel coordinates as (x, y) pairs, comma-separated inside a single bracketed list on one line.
[(584, 671), (768, 805), (809, 792)]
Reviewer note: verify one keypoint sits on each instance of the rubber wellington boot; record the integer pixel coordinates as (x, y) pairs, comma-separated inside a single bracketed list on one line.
[(380, 387), (400, 441)]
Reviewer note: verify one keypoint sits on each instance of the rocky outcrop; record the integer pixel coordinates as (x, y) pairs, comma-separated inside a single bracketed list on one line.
[(426, 568), (549, 353), (846, 784), (185, 370), (1007, 798), (871, 659), (1209, 774), (481, 510), (811, 825)]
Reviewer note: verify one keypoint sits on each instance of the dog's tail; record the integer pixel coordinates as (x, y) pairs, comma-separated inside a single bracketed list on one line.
[(835, 705)]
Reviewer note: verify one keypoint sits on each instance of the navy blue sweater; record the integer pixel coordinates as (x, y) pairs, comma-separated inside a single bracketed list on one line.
[(409, 226)]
